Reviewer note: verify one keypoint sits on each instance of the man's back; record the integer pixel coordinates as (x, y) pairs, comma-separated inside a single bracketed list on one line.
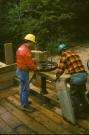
[(24, 58), (71, 61)]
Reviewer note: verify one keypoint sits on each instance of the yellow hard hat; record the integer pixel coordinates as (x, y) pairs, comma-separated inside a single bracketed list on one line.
[(30, 37)]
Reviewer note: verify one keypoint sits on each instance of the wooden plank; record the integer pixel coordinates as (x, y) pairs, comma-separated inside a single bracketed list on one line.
[(84, 124), (8, 68), (39, 55), (54, 109), (2, 64), (23, 129), (44, 120), (7, 76), (13, 133), (52, 76), (11, 120), (81, 123), (49, 84), (6, 84), (9, 91), (9, 54), (55, 118), (31, 123), (50, 96), (2, 110), (4, 128)]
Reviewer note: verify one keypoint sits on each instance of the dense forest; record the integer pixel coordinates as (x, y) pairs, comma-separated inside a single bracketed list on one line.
[(50, 20)]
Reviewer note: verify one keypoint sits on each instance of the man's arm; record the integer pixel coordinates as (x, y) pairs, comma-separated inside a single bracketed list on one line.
[(61, 67), (29, 62)]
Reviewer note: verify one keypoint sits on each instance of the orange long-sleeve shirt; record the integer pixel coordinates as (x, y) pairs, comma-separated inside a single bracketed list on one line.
[(24, 58)]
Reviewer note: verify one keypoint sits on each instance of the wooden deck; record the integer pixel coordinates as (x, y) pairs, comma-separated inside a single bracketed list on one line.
[(45, 118)]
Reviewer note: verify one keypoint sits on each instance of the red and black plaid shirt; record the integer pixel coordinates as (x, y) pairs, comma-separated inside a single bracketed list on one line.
[(71, 62)]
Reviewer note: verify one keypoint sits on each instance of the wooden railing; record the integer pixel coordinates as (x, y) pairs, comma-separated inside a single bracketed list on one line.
[(8, 68), (7, 75)]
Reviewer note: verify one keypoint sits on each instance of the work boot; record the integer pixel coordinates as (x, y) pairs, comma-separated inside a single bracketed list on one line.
[(27, 108)]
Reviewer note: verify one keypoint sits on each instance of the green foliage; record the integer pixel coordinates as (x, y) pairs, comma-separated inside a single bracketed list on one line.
[(49, 20)]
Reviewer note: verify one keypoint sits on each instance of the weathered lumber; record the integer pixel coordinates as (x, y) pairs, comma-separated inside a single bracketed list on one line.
[(55, 118), (50, 113), (39, 55), (2, 64), (9, 57), (84, 123), (8, 68), (15, 124), (24, 129), (11, 125), (32, 123), (39, 117), (2, 110), (50, 97), (12, 121), (7, 75), (4, 128), (43, 109), (80, 123), (8, 91), (52, 75), (42, 77)]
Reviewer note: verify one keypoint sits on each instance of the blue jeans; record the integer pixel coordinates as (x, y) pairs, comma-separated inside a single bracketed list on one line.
[(25, 89), (78, 88)]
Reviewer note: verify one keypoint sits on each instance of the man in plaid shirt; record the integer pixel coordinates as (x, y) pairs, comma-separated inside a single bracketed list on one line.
[(71, 62)]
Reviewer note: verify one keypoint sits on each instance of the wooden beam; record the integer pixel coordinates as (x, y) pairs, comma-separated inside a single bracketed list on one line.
[(8, 68), (52, 75), (7, 76)]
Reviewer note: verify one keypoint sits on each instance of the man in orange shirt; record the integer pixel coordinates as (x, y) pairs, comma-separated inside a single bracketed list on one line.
[(24, 64)]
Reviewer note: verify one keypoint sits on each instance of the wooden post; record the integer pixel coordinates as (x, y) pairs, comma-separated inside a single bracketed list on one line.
[(7, 76), (39, 55), (8, 53), (43, 85)]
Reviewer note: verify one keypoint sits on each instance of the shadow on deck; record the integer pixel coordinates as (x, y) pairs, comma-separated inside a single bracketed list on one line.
[(43, 120)]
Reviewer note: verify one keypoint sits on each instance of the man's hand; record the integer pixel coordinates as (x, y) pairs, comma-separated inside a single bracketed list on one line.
[(38, 67)]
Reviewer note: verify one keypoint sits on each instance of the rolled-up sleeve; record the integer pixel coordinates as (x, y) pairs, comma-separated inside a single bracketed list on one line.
[(61, 65)]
